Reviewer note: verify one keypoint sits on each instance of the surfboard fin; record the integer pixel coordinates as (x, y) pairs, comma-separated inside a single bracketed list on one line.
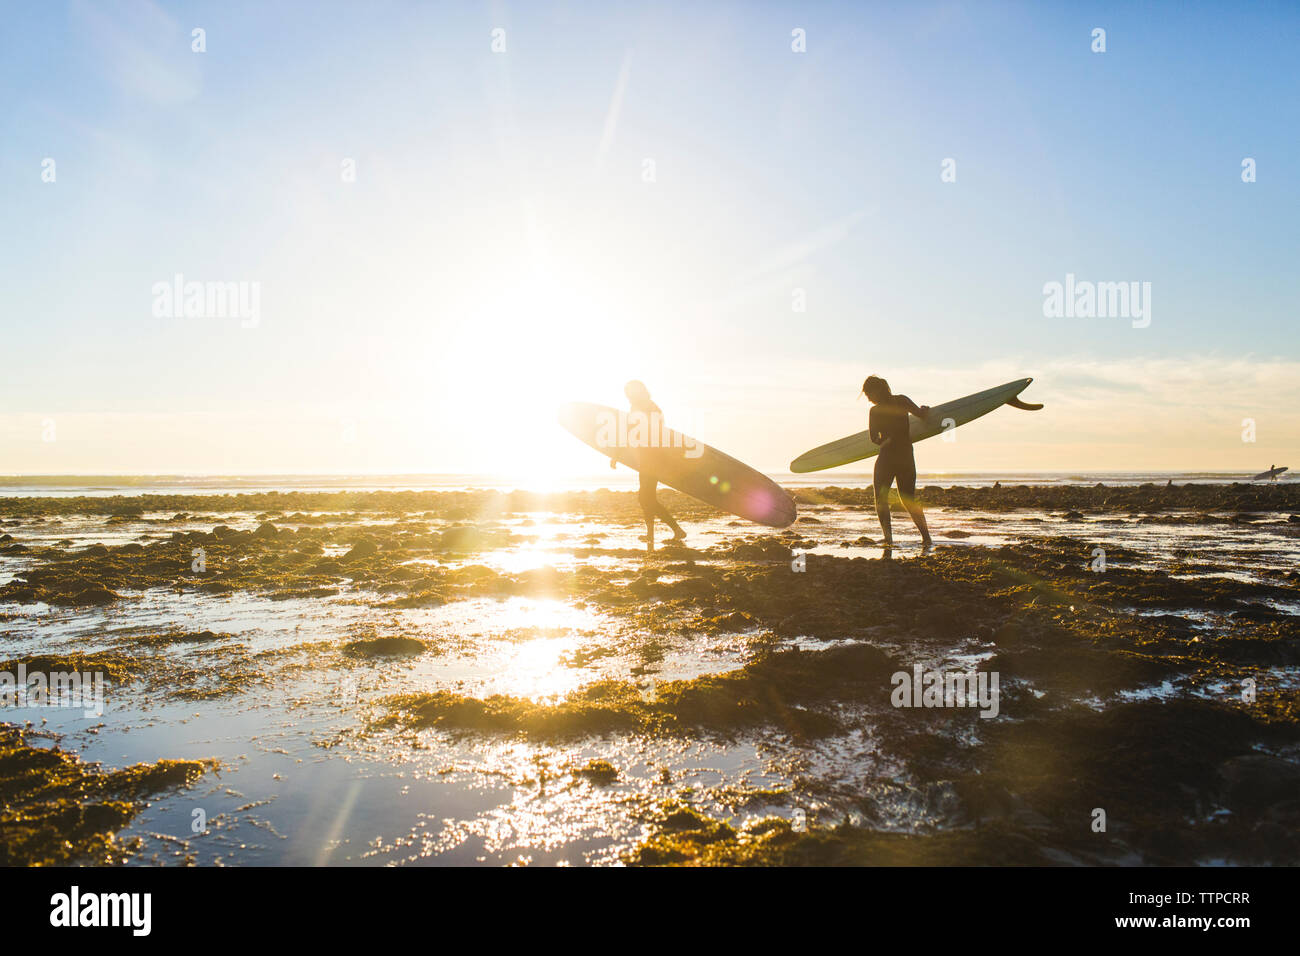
[(1027, 406)]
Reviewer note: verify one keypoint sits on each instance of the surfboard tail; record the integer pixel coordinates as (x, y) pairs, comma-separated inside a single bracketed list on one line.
[(1015, 401)]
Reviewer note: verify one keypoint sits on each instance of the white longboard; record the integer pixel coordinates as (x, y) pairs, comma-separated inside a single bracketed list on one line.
[(681, 462), (959, 411)]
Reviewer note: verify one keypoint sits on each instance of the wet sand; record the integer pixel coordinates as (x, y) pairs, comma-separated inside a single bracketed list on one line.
[(481, 677)]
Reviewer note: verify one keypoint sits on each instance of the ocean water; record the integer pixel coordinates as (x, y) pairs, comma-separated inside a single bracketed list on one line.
[(109, 485)]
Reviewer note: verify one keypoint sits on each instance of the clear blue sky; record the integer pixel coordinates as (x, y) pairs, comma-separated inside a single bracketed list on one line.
[(499, 249)]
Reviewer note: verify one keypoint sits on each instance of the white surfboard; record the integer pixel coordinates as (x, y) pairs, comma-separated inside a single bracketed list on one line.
[(959, 411), (681, 462)]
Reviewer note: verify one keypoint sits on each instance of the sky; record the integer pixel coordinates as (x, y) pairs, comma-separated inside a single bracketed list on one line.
[(456, 216)]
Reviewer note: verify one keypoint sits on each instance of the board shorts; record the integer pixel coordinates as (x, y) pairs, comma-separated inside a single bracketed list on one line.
[(900, 468)]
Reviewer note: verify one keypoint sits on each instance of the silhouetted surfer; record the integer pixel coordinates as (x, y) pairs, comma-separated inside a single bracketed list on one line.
[(639, 398), (890, 429)]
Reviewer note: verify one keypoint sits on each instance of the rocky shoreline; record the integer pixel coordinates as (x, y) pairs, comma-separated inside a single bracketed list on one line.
[(1163, 691)]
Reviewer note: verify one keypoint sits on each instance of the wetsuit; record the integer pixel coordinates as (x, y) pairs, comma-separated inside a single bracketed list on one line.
[(888, 420), (646, 494)]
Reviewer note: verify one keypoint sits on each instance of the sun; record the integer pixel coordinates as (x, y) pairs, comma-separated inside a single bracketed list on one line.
[(540, 340)]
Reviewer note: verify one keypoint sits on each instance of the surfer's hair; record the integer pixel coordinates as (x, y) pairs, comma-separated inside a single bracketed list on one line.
[(875, 385), (636, 391)]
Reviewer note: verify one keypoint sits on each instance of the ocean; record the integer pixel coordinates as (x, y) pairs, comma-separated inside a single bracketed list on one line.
[(107, 485)]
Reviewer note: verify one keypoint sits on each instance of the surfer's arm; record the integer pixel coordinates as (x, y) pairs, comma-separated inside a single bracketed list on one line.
[(872, 431), (920, 411), (613, 463)]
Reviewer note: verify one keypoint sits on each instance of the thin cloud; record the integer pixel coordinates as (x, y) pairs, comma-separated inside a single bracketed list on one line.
[(615, 109), (145, 51)]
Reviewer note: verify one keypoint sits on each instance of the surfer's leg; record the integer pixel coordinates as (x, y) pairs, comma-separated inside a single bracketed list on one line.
[(668, 519), (907, 491), (649, 507), (882, 478), (664, 514)]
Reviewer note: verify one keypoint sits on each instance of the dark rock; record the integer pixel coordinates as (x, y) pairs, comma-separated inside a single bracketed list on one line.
[(394, 646), (365, 548), (1255, 781), (94, 596)]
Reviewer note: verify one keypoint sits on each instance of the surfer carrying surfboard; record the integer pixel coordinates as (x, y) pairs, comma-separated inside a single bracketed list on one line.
[(889, 428), (638, 397)]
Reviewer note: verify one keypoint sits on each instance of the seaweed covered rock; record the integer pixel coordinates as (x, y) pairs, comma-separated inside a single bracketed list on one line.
[(58, 810)]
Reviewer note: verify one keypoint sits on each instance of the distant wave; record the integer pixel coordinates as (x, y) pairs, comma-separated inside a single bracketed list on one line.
[(102, 485)]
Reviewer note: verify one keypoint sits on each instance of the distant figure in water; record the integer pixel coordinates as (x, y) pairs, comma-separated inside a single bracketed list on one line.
[(890, 429), (638, 397)]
